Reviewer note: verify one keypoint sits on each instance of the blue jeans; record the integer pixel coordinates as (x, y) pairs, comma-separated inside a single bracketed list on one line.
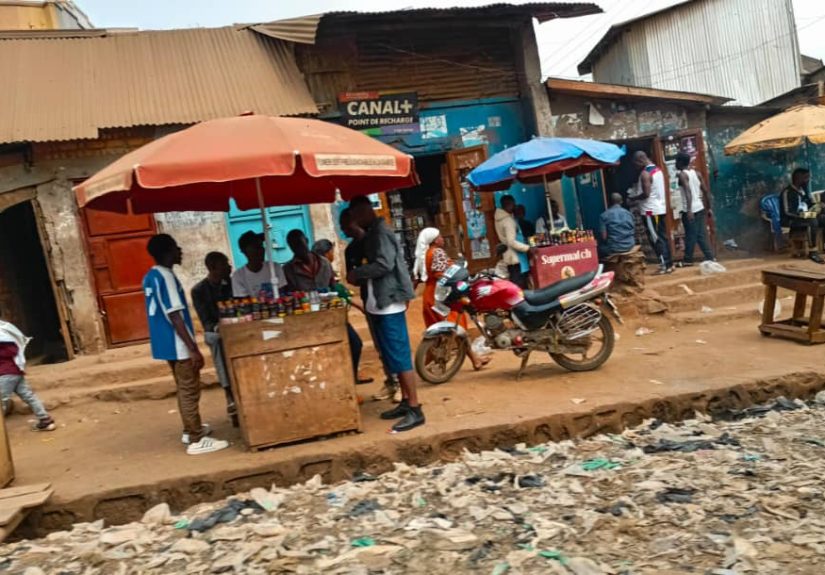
[(10, 384), (355, 347), (393, 340), (696, 232)]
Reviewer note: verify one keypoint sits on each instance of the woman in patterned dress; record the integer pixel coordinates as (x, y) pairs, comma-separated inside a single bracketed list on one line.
[(431, 261)]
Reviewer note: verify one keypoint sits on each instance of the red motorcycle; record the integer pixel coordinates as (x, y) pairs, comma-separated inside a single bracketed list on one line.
[(564, 319)]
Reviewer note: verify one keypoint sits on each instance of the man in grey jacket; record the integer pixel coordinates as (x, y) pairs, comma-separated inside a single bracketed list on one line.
[(388, 289)]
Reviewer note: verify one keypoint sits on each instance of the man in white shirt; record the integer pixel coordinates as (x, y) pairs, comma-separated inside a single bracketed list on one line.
[(653, 207), (256, 275), (694, 196)]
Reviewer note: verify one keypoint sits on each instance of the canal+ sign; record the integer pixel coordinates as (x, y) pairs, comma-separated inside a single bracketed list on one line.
[(391, 112)]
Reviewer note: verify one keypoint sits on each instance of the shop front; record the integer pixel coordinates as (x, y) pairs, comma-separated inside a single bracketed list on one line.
[(449, 140), (660, 123)]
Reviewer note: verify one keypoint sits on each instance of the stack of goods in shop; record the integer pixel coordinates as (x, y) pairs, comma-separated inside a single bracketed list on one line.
[(562, 238), (241, 310)]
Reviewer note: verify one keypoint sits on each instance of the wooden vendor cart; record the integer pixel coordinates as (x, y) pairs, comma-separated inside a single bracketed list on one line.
[(552, 264), (292, 377)]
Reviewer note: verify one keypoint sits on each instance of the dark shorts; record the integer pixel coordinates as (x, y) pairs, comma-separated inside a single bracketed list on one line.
[(393, 339)]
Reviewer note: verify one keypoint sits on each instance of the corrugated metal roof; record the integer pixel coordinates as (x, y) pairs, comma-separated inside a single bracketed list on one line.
[(720, 47), (68, 88), (586, 66), (615, 91), (304, 29)]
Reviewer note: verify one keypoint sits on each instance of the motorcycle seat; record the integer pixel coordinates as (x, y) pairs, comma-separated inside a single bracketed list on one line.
[(551, 293), (535, 316)]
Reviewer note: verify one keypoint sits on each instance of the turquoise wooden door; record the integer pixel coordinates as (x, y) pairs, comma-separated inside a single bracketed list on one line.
[(282, 219)]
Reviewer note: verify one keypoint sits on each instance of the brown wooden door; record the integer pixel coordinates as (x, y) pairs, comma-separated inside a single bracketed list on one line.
[(117, 247), (475, 210)]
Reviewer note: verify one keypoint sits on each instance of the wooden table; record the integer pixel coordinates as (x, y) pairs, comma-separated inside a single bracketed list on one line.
[(292, 377), (804, 284)]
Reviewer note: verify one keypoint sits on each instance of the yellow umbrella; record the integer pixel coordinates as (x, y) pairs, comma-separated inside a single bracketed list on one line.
[(796, 126)]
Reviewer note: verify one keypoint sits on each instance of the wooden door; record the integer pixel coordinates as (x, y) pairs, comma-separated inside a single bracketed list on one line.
[(692, 143), (117, 248), (475, 210)]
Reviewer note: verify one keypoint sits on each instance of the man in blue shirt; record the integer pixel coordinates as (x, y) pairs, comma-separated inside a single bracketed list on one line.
[(617, 229), (172, 340)]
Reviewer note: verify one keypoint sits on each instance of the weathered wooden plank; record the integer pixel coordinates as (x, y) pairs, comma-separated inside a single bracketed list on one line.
[(23, 490)]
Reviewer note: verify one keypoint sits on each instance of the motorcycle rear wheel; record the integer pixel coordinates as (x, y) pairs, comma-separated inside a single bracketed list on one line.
[(439, 358), (604, 334)]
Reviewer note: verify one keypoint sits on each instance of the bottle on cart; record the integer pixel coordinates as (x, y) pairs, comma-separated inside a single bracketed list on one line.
[(314, 301), (255, 305)]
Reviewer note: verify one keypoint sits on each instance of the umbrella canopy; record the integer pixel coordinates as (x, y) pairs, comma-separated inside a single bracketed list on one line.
[(295, 161), (543, 159), (789, 129)]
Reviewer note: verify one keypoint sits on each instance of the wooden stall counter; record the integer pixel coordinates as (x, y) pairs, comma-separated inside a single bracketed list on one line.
[(292, 377), (555, 263)]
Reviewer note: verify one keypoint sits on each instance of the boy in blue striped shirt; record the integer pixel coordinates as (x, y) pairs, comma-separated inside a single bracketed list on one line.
[(173, 340)]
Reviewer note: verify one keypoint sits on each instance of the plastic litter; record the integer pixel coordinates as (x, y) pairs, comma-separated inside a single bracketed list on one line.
[(676, 495), (480, 347), (644, 331), (230, 512), (363, 542), (777, 310), (707, 309), (364, 507), (708, 268), (701, 496), (781, 404)]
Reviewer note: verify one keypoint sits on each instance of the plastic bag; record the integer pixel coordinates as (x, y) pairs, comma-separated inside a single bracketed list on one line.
[(480, 347), (777, 309), (710, 268)]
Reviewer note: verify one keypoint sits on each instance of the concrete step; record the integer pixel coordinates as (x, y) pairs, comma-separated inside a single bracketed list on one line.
[(156, 388), (683, 282), (742, 310), (716, 298)]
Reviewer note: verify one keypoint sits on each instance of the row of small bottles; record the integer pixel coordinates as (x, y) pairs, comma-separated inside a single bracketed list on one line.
[(239, 310), (562, 238)]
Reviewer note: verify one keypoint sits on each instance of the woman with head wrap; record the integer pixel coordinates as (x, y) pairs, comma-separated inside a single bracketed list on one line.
[(431, 261)]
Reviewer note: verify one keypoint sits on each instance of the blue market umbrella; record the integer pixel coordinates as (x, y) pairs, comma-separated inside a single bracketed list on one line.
[(542, 160)]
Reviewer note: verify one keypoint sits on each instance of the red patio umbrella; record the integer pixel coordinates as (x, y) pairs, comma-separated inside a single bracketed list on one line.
[(258, 161)]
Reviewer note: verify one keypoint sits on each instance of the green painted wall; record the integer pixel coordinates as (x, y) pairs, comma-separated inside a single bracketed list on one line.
[(739, 182)]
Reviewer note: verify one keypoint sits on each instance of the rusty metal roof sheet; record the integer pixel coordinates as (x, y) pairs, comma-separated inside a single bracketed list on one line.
[(614, 91), (305, 29), (66, 88)]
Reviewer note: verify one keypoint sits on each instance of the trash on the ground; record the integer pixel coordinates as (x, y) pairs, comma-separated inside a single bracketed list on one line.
[(687, 289), (707, 309), (731, 244), (676, 495), (781, 404), (363, 542), (578, 400), (702, 496), (777, 310), (701, 342), (480, 347), (707, 268), (644, 331)]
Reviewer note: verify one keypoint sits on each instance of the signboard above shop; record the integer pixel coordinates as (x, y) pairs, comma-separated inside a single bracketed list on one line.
[(380, 112)]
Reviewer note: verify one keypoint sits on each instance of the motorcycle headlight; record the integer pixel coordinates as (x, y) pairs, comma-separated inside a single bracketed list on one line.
[(441, 292)]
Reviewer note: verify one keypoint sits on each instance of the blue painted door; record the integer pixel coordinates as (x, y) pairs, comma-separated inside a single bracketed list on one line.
[(590, 197), (282, 219)]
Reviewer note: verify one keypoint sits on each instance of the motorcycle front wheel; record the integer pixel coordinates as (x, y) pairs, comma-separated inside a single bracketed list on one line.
[(601, 345), (439, 358)]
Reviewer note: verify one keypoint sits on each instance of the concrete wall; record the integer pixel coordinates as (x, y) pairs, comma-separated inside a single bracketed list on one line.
[(70, 264), (739, 182), (197, 233), (574, 117)]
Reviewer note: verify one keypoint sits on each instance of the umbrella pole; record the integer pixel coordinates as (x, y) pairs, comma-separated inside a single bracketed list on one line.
[(267, 239), (549, 205)]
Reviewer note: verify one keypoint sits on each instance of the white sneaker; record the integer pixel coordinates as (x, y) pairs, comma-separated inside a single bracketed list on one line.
[(207, 430), (206, 445)]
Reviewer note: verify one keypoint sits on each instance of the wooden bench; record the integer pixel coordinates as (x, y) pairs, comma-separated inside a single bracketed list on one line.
[(804, 284)]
